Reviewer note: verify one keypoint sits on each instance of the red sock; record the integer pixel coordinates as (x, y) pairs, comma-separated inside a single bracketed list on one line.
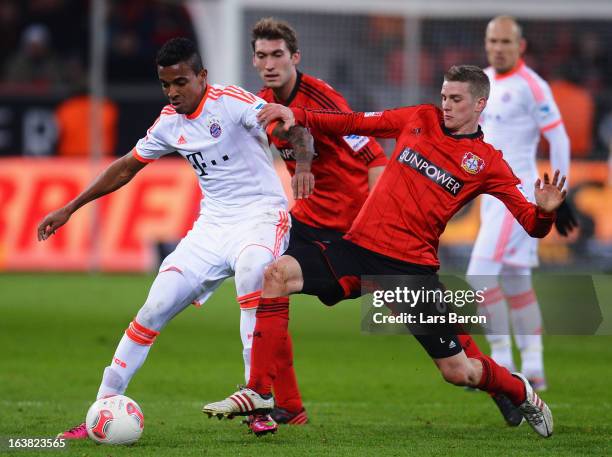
[(469, 346), (497, 379), (269, 337), (286, 392)]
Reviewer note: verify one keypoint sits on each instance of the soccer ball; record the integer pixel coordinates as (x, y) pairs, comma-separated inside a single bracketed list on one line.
[(115, 420)]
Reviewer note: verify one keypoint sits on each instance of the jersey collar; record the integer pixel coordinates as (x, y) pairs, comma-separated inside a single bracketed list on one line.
[(296, 87), (198, 110), (519, 65), (470, 136)]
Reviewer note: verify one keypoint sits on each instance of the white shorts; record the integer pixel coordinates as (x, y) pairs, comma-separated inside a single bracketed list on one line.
[(209, 252), (501, 238)]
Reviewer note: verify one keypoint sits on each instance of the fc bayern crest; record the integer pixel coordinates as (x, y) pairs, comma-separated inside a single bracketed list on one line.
[(472, 163), (214, 126), (215, 130)]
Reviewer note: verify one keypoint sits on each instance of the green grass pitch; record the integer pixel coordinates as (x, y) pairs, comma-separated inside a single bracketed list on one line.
[(366, 394)]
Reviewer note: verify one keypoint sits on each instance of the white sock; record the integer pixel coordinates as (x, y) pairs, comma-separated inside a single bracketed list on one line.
[(247, 326), (526, 320), (128, 358), (170, 293), (483, 275)]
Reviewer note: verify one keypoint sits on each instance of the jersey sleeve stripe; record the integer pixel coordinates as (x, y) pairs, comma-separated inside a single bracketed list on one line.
[(323, 95), (229, 94), (242, 92), (318, 98), (140, 158), (551, 126), (535, 88)]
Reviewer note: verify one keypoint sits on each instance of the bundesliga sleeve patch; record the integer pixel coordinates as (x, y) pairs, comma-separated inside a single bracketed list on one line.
[(372, 114), (356, 142)]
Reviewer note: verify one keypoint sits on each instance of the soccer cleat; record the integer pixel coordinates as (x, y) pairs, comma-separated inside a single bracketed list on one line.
[(75, 433), (261, 424), (282, 416), (535, 411), (244, 402), (512, 414), (538, 383)]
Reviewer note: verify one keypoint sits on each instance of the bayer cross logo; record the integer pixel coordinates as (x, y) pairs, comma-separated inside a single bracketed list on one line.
[(472, 163)]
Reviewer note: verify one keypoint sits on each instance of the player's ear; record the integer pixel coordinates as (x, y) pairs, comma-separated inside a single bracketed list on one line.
[(481, 104), (202, 75), (522, 46), (296, 57)]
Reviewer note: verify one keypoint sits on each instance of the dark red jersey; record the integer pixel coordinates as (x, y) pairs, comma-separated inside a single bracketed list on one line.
[(430, 176), (340, 166)]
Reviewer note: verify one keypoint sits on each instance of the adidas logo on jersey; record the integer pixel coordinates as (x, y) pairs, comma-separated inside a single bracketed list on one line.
[(181, 140)]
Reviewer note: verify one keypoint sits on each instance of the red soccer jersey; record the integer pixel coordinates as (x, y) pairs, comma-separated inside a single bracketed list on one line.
[(430, 176), (340, 166)]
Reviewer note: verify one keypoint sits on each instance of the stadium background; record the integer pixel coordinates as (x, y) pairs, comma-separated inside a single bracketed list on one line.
[(58, 329)]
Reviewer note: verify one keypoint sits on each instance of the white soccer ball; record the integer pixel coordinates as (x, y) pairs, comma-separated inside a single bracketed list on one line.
[(115, 420)]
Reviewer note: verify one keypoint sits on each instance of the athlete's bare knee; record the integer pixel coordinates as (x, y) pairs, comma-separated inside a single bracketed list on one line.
[(279, 277)]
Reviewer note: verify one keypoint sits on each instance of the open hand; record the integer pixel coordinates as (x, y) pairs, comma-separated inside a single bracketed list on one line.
[(550, 195)]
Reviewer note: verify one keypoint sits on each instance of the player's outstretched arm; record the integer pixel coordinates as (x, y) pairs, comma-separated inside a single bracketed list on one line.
[(303, 181), (117, 174), (550, 195), (272, 112)]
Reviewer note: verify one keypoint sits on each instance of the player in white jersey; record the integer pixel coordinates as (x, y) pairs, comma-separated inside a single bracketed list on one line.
[(520, 108), (243, 223)]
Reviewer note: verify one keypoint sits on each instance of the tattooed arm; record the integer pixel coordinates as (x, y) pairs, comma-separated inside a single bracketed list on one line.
[(302, 182)]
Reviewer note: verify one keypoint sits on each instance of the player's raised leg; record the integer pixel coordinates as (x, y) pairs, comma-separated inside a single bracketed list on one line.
[(485, 374), (169, 294)]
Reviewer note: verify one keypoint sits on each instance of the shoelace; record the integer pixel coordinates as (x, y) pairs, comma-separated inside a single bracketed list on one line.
[(533, 414)]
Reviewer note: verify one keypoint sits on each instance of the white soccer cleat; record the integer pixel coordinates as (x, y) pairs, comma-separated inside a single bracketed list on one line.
[(244, 402), (535, 411)]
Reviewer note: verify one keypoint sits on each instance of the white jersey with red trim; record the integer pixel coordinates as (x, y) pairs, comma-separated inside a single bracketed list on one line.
[(226, 147), (520, 107)]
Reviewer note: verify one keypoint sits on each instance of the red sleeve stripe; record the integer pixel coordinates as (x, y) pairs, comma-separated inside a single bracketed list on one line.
[(319, 98), (242, 92), (140, 158), (168, 109), (216, 96), (233, 90), (322, 95), (535, 88), (551, 126)]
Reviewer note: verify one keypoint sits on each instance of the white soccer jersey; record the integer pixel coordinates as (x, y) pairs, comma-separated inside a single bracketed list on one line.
[(227, 148), (520, 107)]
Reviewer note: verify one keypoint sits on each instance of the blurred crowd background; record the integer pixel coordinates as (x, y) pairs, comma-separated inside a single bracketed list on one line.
[(44, 58), (377, 60)]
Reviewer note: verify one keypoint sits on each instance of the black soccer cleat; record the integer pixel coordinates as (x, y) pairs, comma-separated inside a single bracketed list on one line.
[(512, 414)]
